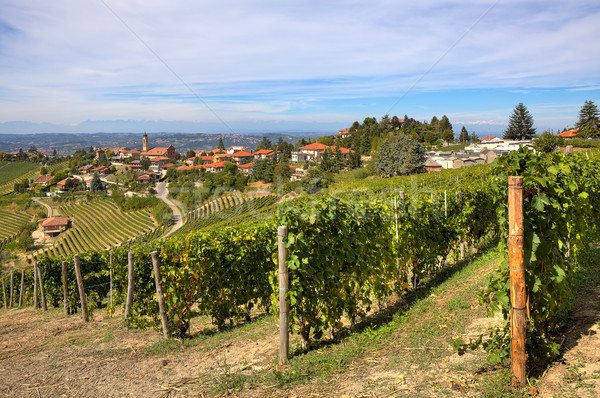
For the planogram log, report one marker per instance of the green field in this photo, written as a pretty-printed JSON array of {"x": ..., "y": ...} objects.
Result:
[{"x": 98, "y": 224}]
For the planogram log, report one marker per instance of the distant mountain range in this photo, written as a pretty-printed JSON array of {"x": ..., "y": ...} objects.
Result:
[{"x": 66, "y": 143}]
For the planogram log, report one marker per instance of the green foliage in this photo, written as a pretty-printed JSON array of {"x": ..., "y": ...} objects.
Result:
[
  {"x": 400, "y": 156},
  {"x": 547, "y": 142},
  {"x": 339, "y": 255},
  {"x": 588, "y": 122},
  {"x": 560, "y": 209},
  {"x": 315, "y": 180},
  {"x": 222, "y": 272},
  {"x": 520, "y": 124}
]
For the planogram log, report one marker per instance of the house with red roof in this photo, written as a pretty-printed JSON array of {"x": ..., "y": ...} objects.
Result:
[
  {"x": 343, "y": 133},
  {"x": 247, "y": 168},
  {"x": 569, "y": 133},
  {"x": 53, "y": 226},
  {"x": 314, "y": 151},
  {"x": 264, "y": 154},
  {"x": 103, "y": 170},
  {"x": 242, "y": 157},
  {"x": 44, "y": 181},
  {"x": 238, "y": 148},
  {"x": 215, "y": 167},
  {"x": 489, "y": 137}
]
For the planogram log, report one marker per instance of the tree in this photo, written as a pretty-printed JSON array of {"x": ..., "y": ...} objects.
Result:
[
  {"x": 354, "y": 160},
  {"x": 145, "y": 163},
  {"x": 220, "y": 145},
  {"x": 547, "y": 142},
  {"x": 401, "y": 156},
  {"x": 589, "y": 120},
  {"x": 464, "y": 135},
  {"x": 265, "y": 143},
  {"x": 96, "y": 184},
  {"x": 282, "y": 172},
  {"x": 43, "y": 171},
  {"x": 316, "y": 180},
  {"x": 190, "y": 154},
  {"x": 520, "y": 124},
  {"x": 326, "y": 140}
]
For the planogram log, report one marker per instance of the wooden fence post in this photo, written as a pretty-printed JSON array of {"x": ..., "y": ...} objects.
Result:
[
  {"x": 111, "y": 281},
  {"x": 82, "y": 297},
  {"x": 35, "y": 286},
  {"x": 12, "y": 288},
  {"x": 159, "y": 294},
  {"x": 22, "y": 289},
  {"x": 3, "y": 292},
  {"x": 518, "y": 290},
  {"x": 65, "y": 288},
  {"x": 130, "y": 281},
  {"x": 284, "y": 338},
  {"x": 42, "y": 290}
]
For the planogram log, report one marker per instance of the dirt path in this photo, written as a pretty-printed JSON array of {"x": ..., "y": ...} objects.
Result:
[
  {"x": 162, "y": 193},
  {"x": 577, "y": 374},
  {"x": 46, "y": 205},
  {"x": 48, "y": 354}
]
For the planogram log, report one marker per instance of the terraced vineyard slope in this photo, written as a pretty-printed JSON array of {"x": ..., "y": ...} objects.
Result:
[
  {"x": 99, "y": 224},
  {"x": 11, "y": 172},
  {"x": 226, "y": 210}
]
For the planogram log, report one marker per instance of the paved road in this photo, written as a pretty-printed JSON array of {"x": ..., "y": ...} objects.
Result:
[
  {"x": 45, "y": 205},
  {"x": 162, "y": 193}
]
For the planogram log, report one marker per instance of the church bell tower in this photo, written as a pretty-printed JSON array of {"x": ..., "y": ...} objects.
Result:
[{"x": 145, "y": 145}]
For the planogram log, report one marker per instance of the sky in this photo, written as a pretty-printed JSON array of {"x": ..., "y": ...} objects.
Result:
[{"x": 272, "y": 65}]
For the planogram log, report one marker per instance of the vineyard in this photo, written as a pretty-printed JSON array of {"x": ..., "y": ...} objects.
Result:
[
  {"x": 226, "y": 209},
  {"x": 12, "y": 172},
  {"x": 97, "y": 225},
  {"x": 351, "y": 251},
  {"x": 11, "y": 222}
]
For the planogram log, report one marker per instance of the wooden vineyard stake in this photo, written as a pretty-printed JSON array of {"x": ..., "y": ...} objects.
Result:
[
  {"x": 35, "y": 286},
  {"x": 12, "y": 289},
  {"x": 3, "y": 292},
  {"x": 42, "y": 290},
  {"x": 159, "y": 294},
  {"x": 82, "y": 297},
  {"x": 130, "y": 281},
  {"x": 65, "y": 291},
  {"x": 22, "y": 289},
  {"x": 111, "y": 282},
  {"x": 284, "y": 337},
  {"x": 518, "y": 292}
]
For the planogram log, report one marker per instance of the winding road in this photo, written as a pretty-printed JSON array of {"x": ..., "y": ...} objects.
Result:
[
  {"x": 162, "y": 193},
  {"x": 46, "y": 205}
]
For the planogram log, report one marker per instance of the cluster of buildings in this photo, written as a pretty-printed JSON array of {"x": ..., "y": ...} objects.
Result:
[{"x": 482, "y": 152}]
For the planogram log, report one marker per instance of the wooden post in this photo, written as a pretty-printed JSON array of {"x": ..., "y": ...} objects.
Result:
[
  {"x": 111, "y": 281},
  {"x": 159, "y": 294},
  {"x": 22, "y": 289},
  {"x": 12, "y": 289},
  {"x": 130, "y": 280},
  {"x": 518, "y": 291},
  {"x": 65, "y": 289},
  {"x": 42, "y": 290},
  {"x": 284, "y": 338},
  {"x": 82, "y": 297},
  {"x": 35, "y": 286},
  {"x": 3, "y": 291}
]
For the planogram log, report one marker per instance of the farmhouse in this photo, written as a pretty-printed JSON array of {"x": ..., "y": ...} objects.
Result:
[
  {"x": 53, "y": 226},
  {"x": 313, "y": 152},
  {"x": 44, "y": 181}
]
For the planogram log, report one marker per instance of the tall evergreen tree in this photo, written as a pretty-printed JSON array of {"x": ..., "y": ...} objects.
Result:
[
  {"x": 520, "y": 124},
  {"x": 589, "y": 120},
  {"x": 464, "y": 135},
  {"x": 220, "y": 145}
]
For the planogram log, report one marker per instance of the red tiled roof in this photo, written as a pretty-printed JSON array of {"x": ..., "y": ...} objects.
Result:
[
  {"x": 242, "y": 154},
  {"x": 489, "y": 137},
  {"x": 54, "y": 221},
  {"x": 246, "y": 166},
  {"x": 264, "y": 152},
  {"x": 569, "y": 133},
  {"x": 44, "y": 180},
  {"x": 158, "y": 158},
  {"x": 166, "y": 166},
  {"x": 315, "y": 147}
]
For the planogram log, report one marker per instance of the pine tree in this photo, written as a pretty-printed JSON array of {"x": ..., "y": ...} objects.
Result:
[
  {"x": 520, "y": 124},
  {"x": 221, "y": 145},
  {"x": 464, "y": 135},
  {"x": 589, "y": 120}
]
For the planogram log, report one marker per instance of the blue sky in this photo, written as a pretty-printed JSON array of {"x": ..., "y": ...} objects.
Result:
[{"x": 304, "y": 65}]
